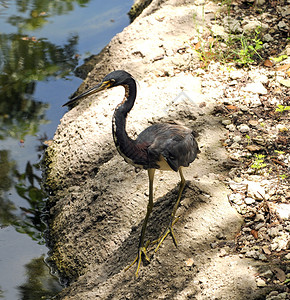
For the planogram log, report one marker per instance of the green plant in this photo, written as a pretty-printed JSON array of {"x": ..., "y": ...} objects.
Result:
[
  {"x": 248, "y": 138},
  {"x": 259, "y": 162},
  {"x": 249, "y": 48},
  {"x": 279, "y": 58},
  {"x": 279, "y": 152},
  {"x": 282, "y": 108}
]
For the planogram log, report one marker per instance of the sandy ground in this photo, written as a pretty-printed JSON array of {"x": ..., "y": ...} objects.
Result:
[{"x": 98, "y": 202}]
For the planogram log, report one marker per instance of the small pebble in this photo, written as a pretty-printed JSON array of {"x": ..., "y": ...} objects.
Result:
[
  {"x": 255, "y": 190},
  {"x": 259, "y": 226},
  {"x": 252, "y": 254},
  {"x": 273, "y": 231},
  {"x": 226, "y": 122},
  {"x": 244, "y": 108},
  {"x": 249, "y": 200},
  {"x": 262, "y": 257},
  {"x": 237, "y": 138},
  {"x": 260, "y": 282},
  {"x": 244, "y": 128},
  {"x": 236, "y": 198},
  {"x": 274, "y": 293},
  {"x": 231, "y": 127},
  {"x": 267, "y": 274},
  {"x": 259, "y": 217}
]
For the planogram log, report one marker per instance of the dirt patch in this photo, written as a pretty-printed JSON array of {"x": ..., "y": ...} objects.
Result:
[{"x": 98, "y": 202}]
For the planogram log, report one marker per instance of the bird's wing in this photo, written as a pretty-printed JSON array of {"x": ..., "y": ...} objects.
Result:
[{"x": 175, "y": 143}]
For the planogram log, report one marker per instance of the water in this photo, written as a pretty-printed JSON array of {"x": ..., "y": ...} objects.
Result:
[{"x": 41, "y": 43}]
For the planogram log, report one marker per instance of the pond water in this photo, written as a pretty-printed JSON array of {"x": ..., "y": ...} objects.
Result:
[{"x": 41, "y": 44}]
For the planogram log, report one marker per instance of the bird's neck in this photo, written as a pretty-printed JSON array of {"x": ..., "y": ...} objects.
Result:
[{"x": 124, "y": 144}]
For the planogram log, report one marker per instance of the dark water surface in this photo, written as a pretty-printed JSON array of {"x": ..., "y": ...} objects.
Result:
[{"x": 41, "y": 43}]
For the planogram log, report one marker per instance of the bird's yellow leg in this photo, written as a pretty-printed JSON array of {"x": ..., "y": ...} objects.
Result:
[
  {"x": 173, "y": 220},
  {"x": 142, "y": 248}
]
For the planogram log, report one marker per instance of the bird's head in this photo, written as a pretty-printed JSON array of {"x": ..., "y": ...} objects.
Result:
[{"x": 115, "y": 78}]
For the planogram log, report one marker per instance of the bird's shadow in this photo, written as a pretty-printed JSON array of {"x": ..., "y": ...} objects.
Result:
[{"x": 157, "y": 223}]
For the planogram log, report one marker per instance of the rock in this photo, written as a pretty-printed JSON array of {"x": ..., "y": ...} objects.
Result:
[
  {"x": 287, "y": 256},
  {"x": 282, "y": 25},
  {"x": 233, "y": 25},
  {"x": 236, "y": 198},
  {"x": 231, "y": 127},
  {"x": 285, "y": 82},
  {"x": 258, "y": 77},
  {"x": 253, "y": 148},
  {"x": 267, "y": 274},
  {"x": 281, "y": 241},
  {"x": 228, "y": 141},
  {"x": 259, "y": 226},
  {"x": 233, "y": 82},
  {"x": 237, "y": 138},
  {"x": 252, "y": 254},
  {"x": 256, "y": 88},
  {"x": 189, "y": 262},
  {"x": 272, "y": 295},
  {"x": 235, "y": 145},
  {"x": 262, "y": 257},
  {"x": 249, "y": 200},
  {"x": 252, "y": 25},
  {"x": 260, "y": 282},
  {"x": 259, "y": 218},
  {"x": 253, "y": 122},
  {"x": 226, "y": 122},
  {"x": 260, "y": 2},
  {"x": 218, "y": 30},
  {"x": 244, "y": 108},
  {"x": 236, "y": 74},
  {"x": 244, "y": 128},
  {"x": 273, "y": 231},
  {"x": 283, "y": 210},
  {"x": 268, "y": 38},
  {"x": 255, "y": 100},
  {"x": 255, "y": 190},
  {"x": 259, "y": 140},
  {"x": 281, "y": 128}
]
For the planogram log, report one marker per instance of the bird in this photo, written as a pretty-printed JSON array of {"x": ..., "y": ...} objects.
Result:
[{"x": 161, "y": 146}]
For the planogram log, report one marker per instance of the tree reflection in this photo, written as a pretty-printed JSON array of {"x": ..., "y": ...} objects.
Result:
[
  {"x": 27, "y": 185},
  {"x": 37, "y": 12},
  {"x": 39, "y": 283},
  {"x": 7, "y": 207},
  {"x": 27, "y": 61}
]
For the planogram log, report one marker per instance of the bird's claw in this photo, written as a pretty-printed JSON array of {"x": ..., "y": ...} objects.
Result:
[
  {"x": 138, "y": 259},
  {"x": 168, "y": 230}
]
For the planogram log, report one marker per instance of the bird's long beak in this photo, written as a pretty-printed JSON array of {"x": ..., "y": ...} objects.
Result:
[{"x": 102, "y": 86}]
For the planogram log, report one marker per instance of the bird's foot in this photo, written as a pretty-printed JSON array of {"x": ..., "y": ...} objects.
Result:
[
  {"x": 138, "y": 259},
  {"x": 168, "y": 230}
]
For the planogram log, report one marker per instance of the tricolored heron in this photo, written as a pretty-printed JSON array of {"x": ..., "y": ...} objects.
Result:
[{"x": 160, "y": 146}]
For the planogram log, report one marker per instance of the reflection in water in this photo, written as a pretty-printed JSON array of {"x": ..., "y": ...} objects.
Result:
[
  {"x": 39, "y": 283},
  {"x": 27, "y": 186},
  {"x": 27, "y": 61},
  {"x": 6, "y": 181},
  {"x": 39, "y": 11}
]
